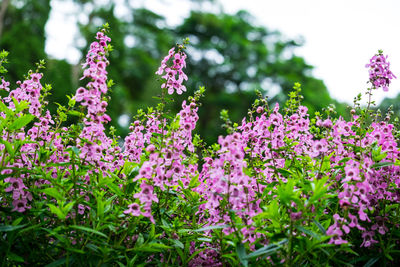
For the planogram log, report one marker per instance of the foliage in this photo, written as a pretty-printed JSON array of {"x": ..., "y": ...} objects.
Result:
[
  {"x": 234, "y": 56},
  {"x": 229, "y": 54},
  {"x": 281, "y": 188},
  {"x": 24, "y": 34},
  {"x": 29, "y": 17}
]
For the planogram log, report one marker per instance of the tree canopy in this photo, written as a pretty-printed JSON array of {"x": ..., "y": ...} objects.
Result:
[{"x": 233, "y": 56}]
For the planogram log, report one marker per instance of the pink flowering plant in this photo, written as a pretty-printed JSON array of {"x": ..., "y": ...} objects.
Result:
[{"x": 281, "y": 188}]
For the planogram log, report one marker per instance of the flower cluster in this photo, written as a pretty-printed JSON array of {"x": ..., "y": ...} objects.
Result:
[
  {"x": 379, "y": 72},
  {"x": 165, "y": 167},
  {"x": 5, "y": 85},
  {"x": 98, "y": 150},
  {"x": 174, "y": 75},
  {"x": 29, "y": 91}
]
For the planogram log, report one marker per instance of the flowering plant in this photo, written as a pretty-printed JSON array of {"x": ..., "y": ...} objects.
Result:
[
  {"x": 281, "y": 188},
  {"x": 379, "y": 72}
]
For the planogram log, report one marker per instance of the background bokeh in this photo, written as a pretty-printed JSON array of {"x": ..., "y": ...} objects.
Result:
[{"x": 231, "y": 53}]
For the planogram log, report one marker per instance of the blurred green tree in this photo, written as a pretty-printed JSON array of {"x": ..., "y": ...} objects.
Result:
[
  {"x": 394, "y": 103},
  {"x": 22, "y": 33},
  {"x": 229, "y": 54}
]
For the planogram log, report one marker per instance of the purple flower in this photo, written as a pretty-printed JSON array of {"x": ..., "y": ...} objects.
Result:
[
  {"x": 379, "y": 72},
  {"x": 133, "y": 209},
  {"x": 20, "y": 205},
  {"x": 5, "y": 85},
  {"x": 172, "y": 83},
  {"x": 368, "y": 239}
]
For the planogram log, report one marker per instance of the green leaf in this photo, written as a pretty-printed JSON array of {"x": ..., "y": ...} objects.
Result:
[
  {"x": 92, "y": 247},
  {"x": 319, "y": 189},
  {"x": 21, "y": 121},
  {"x": 165, "y": 224},
  {"x": 326, "y": 164},
  {"x": 100, "y": 206},
  {"x": 194, "y": 182},
  {"x": 181, "y": 255},
  {"x": 286, "y": 192},
  {"x": 371, "y": 262},
  {"x": 320, "y": 227},
  {"x": 113, "y": 187},
  {"x": 181, "y": 184},
  {"x": 307, "y": 232},
  {"x": 177, "y": 243},
  {"x": 55, "y": 233},
  {"x": 387, "y": 255},
  {"x": 75, "y": 113},
  {"x": 71, "y": 102},
  {"x": 21, "y": 106},
  {"x": 175, "y": 123},
  {"x": 57, "y": 211},
  {"x": 377, "y": 154},
  {"x": 212, "y": 227},
  {"x": 53, "y": 192},
  {"x": 8, "y": 146},
  {"x": 75, "y": 150},
  {"x": 15, "y": 257},
  {"x": 232, "y": 258},
  {"x": 80, "y": 251},
  {"x": 241, "y": 252},
  {"x": 152, "y": 247},
  {"x": 131, "y": 262},
  {"x": 382, "y": 164},
  {"x": 57, "y": 262},
  {"x": 140, "y": 240},
  {"x": 68, "y": 207},
  {"x": 5, "y": 109},
  {"x": 267, "y": 250},
  {"x": 30, "y": 228},
  {"x": 152, "y": 231},
  {"x": 10, "y": 228},
  {"x": 86, "y": 229},
  {"x": 204, "y": 239},
  {"x": 17, "y": 221}
]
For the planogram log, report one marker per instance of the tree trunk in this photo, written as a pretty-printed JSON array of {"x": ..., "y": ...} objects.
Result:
[{"x": 3, "y": 8}]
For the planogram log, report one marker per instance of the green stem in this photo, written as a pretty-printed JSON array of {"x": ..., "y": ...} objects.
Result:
[
  {"x": 290, "y": 248},
  {"x": 4, "y": 151}
]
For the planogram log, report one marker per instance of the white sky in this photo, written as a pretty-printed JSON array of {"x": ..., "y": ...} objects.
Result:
[{"x": 340, "y": 36}]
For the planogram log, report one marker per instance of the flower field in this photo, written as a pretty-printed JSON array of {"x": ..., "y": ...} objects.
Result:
[{"x": 281, "y": 188}]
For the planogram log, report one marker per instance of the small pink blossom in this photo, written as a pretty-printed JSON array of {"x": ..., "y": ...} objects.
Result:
[
  {"x": 133, "y": 209},
  {"x": 172, "y": 82},
  {"x": 379, "y": 72}
]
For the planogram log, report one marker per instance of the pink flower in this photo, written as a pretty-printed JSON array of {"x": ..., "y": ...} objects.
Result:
[
  {"x": 294, "y": 216},
  {"x": 81, "y": 209},
  {"x": 20, "y": 205},
  {"x": 133, "y": 209},
  {"x": 379, "y": 72},
  {"x": 171, "y": 82},
  {"x": 368, "y": 240},
  {"x": 5, "y": 85},
  {"x": 146, "y": 194},
  {"x": 16, "y": 184}
]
